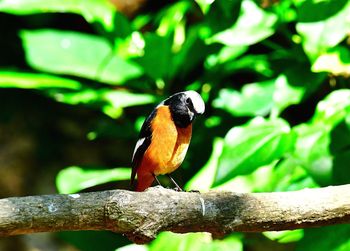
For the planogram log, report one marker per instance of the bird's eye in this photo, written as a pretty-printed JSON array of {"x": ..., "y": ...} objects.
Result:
[{"x": 188, "y": 100}]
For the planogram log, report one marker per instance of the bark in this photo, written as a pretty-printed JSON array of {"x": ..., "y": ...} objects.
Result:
[{"x": 141, "y": 215}]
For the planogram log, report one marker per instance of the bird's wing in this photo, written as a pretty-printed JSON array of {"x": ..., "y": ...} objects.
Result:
[{"x": 142, "y": 144}]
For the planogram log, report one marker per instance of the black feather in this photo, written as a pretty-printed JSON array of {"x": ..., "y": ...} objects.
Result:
[{"x": 146, "y": 133}]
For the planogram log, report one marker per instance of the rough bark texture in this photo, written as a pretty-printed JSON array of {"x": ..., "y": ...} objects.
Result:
[{"x": 142, "y": 215}]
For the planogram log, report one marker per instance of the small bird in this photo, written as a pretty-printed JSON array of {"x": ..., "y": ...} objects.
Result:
[{"x": 164, "y": 138}]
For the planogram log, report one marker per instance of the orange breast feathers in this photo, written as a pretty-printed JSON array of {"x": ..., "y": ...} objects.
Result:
[{"x": 167, "y": 149}]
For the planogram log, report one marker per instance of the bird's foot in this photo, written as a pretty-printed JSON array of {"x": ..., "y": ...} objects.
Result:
[{"x": 194, "y": 191}]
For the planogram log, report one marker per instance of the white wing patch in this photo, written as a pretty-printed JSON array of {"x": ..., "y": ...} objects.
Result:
[{"x": 138, "y": 144}]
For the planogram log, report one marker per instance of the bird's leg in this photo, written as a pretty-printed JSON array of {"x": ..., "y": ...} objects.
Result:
[
  {"x": 177, "y": 187},
  {"x": 155, "y": 177}
]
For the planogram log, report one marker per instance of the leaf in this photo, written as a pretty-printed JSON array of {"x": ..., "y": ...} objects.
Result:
[
  {"x": 314, "y": 11},
  {"x": 335, "y": 238},
  {"x": 253, "y": 145},
  {"x": 312, "y": 148},
  {"x": 23, "y": 80},
  {"x": 111, "y": 102},
  {"x": 253, "y": 25},
  {"x": 333, "y": 109},
  {"x": 203, "y": 179},
  {"x": 335, "y": 61},
  {"x": 195, "y": 242},
  {"x": 289, "y": 175},
  {"x": 92, "y": 10},
  {"x": 133, "y": 247},
  {"x": 74, "y": 179},
  {"x": 285, "y": 236},
  {"x": 204, "y": 5},
  {"x": 286, "y": 94},
  {"x": 191, "y": 54},
  {"x": 255, "y": 99},
  {"x": 319, "y": 36},
  {"x": 156, "y": 61},
  {"x": 312, "y": 151},
  {"x": 227, "y": 53},
  {"x": 77, "y": 54}
]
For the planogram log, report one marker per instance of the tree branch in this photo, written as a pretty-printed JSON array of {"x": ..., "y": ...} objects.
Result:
[{"x": 142, "y": 215}]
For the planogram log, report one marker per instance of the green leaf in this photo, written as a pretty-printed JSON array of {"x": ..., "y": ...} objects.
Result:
[
  {"x": 204, "y": 5},
  {"x": 285, "y": 236},
  {"x": 253, "y": 145},
  {"x": 257, "y": 63},
  {"x": 335, "y": 61},
  {"x": 195, "y": 242},
  {"x": 133, "y": 247},
  {"x": 111, "y": 102},
  {"x": 333, "y": 109},
  {"x": 227, "y": 53},
  {"x": 312, "y": 151},
  {"x": 289, "y": 175},
  {"x": 335, "y": 238},
  {"x": 92, "y": 10},
  {"x": 253, "y": 25},
  {"x": 286, "y": 94},
  {"x": 203, "y": 180},
  {"x": 23, "y": 80},
  {"x": 314, "y": 10},
  {"x": 312, "y": 148},
  {"x": 255, "y": 99},
  {"x": 319, "y": 36},
  {"x": 74, "y": 179},
  {"x": 117, "y": 100},
  {"x": 77, "y": 54},
  {"x": 156, "y": 61},
  {"x": 192, "y": 52}
]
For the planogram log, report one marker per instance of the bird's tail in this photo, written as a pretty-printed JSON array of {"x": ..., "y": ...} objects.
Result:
[{"x": 144, "y": 181}]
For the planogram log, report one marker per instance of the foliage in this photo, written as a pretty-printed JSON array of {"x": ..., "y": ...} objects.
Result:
[{"x": 274, "y": 75}]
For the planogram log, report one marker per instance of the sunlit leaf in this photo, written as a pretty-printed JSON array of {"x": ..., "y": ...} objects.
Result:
[
  {"x": 173, "y": 21},
  {"x": 204, "y": 179},
  {"x": 227, "y": 53},
  {"x": 253, "y": 25},
  {"x": 77, "y": 54},
  {"x": 256, "y": 63},
  {"x": 23, "y": 80},
  {"x": 255, "y": 99},
  {"x": 289, "y": 175},
  {"x": 286, "y": 94},
  {"x": 92, "y": 10},
  {"x": 285, "y": 236},
  {"x": 255, "y": 144},
  {"x": 195, "y": 242},
  {"x": 333, "y": 109},
  {"x": 112, "y": 102},
  {"x": 312, "y": 151},
  {"x": 335, "y": 61},
  {"x": 121, "y": 99},
  {"x": 133, "y": 247},
  {"x": 204, "y": 5},
  {"x": 318, "y": 36},
  {"x": 74, "y": 179}
]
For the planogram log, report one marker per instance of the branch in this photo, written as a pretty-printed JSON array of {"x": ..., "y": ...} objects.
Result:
[{"x": 142, "y": 215}]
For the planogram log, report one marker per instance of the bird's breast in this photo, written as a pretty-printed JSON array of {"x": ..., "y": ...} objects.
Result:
[{"x": 169, "y": 144}]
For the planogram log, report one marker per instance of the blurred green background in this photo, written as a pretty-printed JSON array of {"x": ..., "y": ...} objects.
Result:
[{"x": 79, "y": 77}]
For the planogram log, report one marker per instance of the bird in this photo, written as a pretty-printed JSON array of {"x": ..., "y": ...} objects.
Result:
[{"x": 164, "y": 139}]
